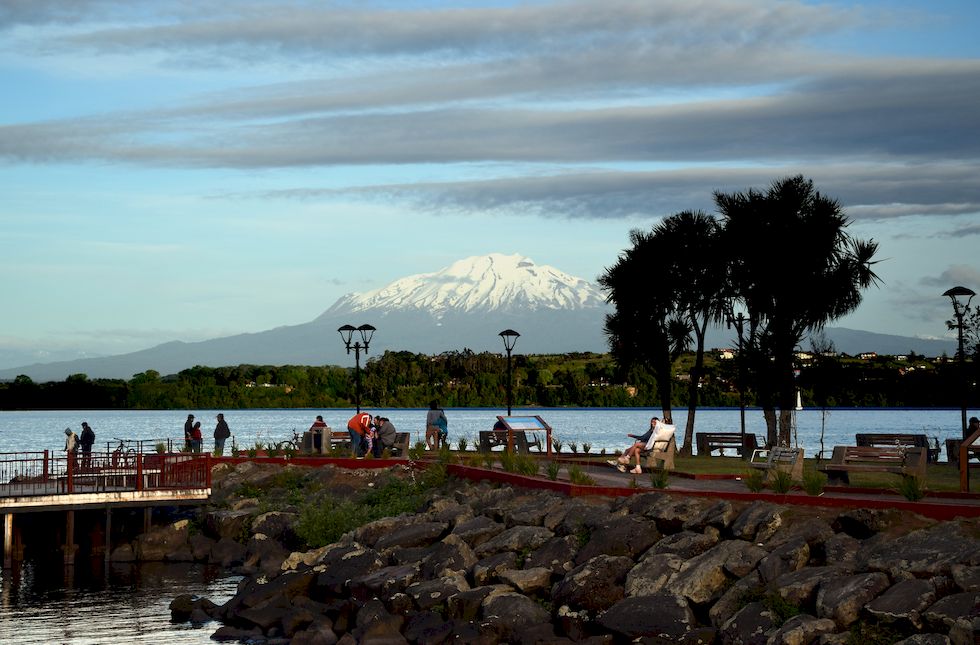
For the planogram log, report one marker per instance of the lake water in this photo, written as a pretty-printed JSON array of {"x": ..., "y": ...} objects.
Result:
[
  {"x": 601, "y": 428},
  {"x": 131, "y": 604},
  {"x": 98, "y": 605}
]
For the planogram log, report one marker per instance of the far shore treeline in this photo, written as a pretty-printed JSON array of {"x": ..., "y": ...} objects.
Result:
[{"x": 469, "y": 379}]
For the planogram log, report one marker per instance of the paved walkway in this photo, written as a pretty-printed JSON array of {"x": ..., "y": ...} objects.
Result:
[{"x": 938, "y": 505}]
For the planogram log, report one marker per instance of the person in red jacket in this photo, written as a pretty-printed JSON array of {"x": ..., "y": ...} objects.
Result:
[{"x": 359, "y": 428}]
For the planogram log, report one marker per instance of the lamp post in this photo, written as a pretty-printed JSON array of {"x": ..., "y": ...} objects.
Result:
[
  {"x": 510, "y": 339},
  {"x": 346, "y": 333},
  {"x": 959, "y": 310}
]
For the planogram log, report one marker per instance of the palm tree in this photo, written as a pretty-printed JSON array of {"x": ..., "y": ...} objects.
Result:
[
  {"x": 812, "y": 272},
  {"x": 695, "y": 262},
  {"x": 646, "y": 327}
]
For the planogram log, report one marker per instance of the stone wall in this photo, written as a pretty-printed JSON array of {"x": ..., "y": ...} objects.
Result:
[{"x": 488, "y": 564}]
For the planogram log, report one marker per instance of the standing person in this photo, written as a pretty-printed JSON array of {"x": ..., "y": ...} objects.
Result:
[
  {"x": 86, "y": 441},
  {"x": 436, "y": 426},
  {"x": 221, "y": 432},
  {"x": 71, "y": 445},
  {"x": 188, "y": 431},
  {"x": 359, "y": 426},
  {"x": 196, "y": 437}
]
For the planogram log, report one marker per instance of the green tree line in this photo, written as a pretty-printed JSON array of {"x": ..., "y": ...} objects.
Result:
[{"x": 468, "y": 379}]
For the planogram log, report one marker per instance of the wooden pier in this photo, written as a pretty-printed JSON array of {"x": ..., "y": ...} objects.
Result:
[{"x": 91, "y": 486}]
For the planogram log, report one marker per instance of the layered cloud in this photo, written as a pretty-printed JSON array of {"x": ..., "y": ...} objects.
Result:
[{"x": 581, "y": 108}]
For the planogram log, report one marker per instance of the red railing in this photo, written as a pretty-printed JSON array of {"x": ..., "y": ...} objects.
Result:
[{"x": 41, "y": 473}]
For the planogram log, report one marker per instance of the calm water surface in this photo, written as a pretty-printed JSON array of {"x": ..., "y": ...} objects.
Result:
[
  {"x": 601, "y": 428},
  {"x": 95, "y": 605}
]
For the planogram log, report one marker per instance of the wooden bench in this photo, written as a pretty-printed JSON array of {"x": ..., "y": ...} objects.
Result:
[
  {"x": 662, "y": 451},
  {"x": 908, "y": 462},
  {"x": 341, "y": 441},
  {"x": 899, "y": 439},
  {"x": 708, "y": 442},
  {"x": 490, "y": 439},
  {"x": 771, "y": 460}
]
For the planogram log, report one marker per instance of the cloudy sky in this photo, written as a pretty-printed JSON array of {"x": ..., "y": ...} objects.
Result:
[{"x": 186, "y": 170}]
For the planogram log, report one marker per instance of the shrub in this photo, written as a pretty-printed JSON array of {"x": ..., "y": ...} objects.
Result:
[
  {"x": 912, "y": 488},
  {"x": 461, "y": 444},
  {"x": 507, "y": 462},
  {"x": 586, "y": 447},
  {"x": 573, "y": 447},
  {"x": 577, "y": 476},
  {"x": 781, "y": 481},
  {"x": 813, "y": 482},
  {"x": 755, "y": 480},
  {"x": 659, "y": 478},
  {"x": 474, "y": 460},
  {"x": 553, "y": 469},
  {"x": 416, "y": 451},
  {"x": 160, "y": 447},
  {"x": 488, "y": 459},
  {"x": 556, "y": 444},
  {"x": 526, "y": 465}
]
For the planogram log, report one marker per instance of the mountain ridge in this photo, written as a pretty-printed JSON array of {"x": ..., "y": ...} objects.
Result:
[{"x": 462, "y": 306}]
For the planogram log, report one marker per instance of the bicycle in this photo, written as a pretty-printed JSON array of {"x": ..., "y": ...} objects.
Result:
[
  {"x": 295, "y": 444},
  {"x": 123, "y": 457}
]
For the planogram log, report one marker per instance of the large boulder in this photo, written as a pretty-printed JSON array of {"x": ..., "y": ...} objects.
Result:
[
  {"x": 661, "y": 615},
  {"x": 595, "y": 585}
]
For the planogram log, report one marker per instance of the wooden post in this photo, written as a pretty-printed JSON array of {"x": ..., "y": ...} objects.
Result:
[
  {"x": 108, "y": 532},
  {"x": 147, "y": 518},
  {"x": 8, "y": 540},
  {"x": 70, "y": 546},
  {"x": 139, "y": 471},
  {"x": 965, "y": 461}
]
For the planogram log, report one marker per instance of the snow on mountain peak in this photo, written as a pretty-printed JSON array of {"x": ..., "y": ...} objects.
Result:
[{"x": 494, "y": 282}]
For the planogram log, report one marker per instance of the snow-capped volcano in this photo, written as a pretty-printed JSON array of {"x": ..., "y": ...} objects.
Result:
[{"x": 487, "y": 283}]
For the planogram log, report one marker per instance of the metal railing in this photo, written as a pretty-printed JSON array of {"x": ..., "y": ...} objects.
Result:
[{"x": 42, "y": 473}]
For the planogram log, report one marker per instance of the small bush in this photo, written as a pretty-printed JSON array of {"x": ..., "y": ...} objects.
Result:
[
  {"x": 813, "y": 482},
  {"x": 556, "y": 444},
  {"x": 553, "y": 469},
  {"x": 416, "y": 451},
  {"x": 526, "y": 465},
  {"x": 507, "y": 462},
  {"x": 659, "y": 478},
  {"x": 488, "y": 459},
  {"x": 755, "y": 480},
  {"x": 912, "y": 488},
  {"x": 474, "y": 460},
  {"x": 573, "y": 446},
  {"x": 586, "y": 447},
  {"x": 461, "y": 444},
  {"x": 577, "y": 476},
  {"x": 781, "y": 481}
]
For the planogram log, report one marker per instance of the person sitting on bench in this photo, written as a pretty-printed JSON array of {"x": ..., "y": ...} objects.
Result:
[
  {"x": 384, "y": 432},
  {"x": 639, "y": 445}
]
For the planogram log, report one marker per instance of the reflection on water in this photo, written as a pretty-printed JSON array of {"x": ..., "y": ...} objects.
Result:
[{"x": 95, "y": 604}]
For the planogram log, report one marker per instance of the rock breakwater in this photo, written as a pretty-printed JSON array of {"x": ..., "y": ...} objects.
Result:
[{"x": 481, "y": 563}]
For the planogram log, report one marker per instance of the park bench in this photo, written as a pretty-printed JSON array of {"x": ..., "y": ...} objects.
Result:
[
  {"x": 904, "y": 440},
  {"x": 908, "y": 462},
  {"x": 662, "y": 448},
  {"x": 341, "y": 441},
  {"x": 708, "y": 442},
  {"x": 490, "y": 439},
  {"x": 779, "y": 458}
]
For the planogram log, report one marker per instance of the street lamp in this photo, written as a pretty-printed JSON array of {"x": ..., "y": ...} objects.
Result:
[
  {"x": 346, "y": 333},
  {"x": 959, "y": 310},
  {"x": 510, "y": 339}
]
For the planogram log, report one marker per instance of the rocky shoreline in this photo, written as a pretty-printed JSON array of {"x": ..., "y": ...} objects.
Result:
[{"x": 483, "y": 563}]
